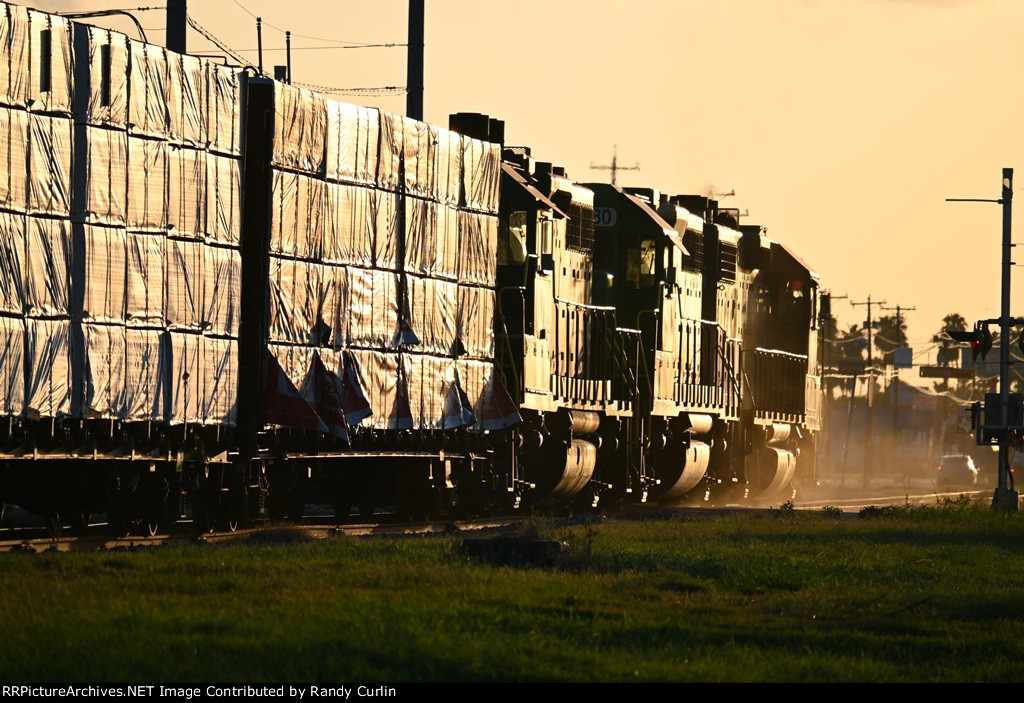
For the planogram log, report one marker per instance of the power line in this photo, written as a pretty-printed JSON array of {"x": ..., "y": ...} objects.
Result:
[{"x": 305, "y": 36}]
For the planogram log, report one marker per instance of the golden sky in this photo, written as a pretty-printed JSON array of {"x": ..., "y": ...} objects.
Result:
[{"x": 841, "y": 125}]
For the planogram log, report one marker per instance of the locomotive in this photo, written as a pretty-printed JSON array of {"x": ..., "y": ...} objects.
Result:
[{"x": 225, "y": 298}]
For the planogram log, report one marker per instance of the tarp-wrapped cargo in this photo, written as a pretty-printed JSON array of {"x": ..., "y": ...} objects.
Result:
[
  {"x": 14, "y": 55},
  {"x": 222, "y": 276},
  {"x": 334, "y": 302},
  {"x": 224, "y": 109},
  {"x": 147, "y": 185},
  {"x": 104, "y": 76},
  {"x": 352, "y": 135},
  {"x": 223, "y": 207},
  {"x": 48, "y": 364},
  {"x": 48, "y": 266},
  {"x": 419, "y": 147},
  {"x": 145, "y": 372},
  {"x": 297, "y": 225},
  {"x": 105, "y": 273},
  {"x": 49, "y": 182},
  {"x": 106, "y": 174},
  {"x": 12, "y": 263},
  {"x": 427, "y": 379},
  {"x": 379, "y": 371},
  {"x": 186, "y": 274},
  {"x": 185, "y": 398},
  {"x": 481, "y": 172},
  {"x": 474, "y": 378},
  {"x": 103, "y": 372},
  {"x": 14, "y": 141},
  {"x": 146, "y": 278},
  {"x": 147, "y": 90},
  {"x": 349, "y": 225},
  {"x": 449, "y": 166},
  {"x": 220, "y": 381},
  {"x": 433, "y": 308},
  {"x": 186, "y": 190},
  {"x": 478, "y": 243},
  {"x": 386, "y": 229},
  {"x": 294, "y": 361},
  {"x": 294, "y": 298},
  {"x": 12, "y": 366},
  {"x": 431, "y": 239},
  {"x": 392, "y": 134},
  {"x": 300, "y": 129},
  {"x": 186, "y": 106},
  {"x": 476, "y": 321},
  {"x": 51, "y": 64},
  {"x": 373, "y": 308}
]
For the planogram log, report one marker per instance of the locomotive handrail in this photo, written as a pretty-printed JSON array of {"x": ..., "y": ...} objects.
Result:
[
  {"x": 585, "y": 306},
  {"x": 653, "y": 312},
  {"x": 508, "y": 345}
]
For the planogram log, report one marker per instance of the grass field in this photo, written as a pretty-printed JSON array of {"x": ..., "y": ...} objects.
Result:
[{"x": 905, "y": 594}]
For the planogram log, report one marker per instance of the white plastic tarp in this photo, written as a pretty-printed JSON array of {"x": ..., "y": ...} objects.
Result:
[
  {"x": 12, "y": 366},
  {"x": 185, "y": 279},
  {"x": 49, "y": 182},
  {"x": 146, "y": 262},
  {"x": 334, "y": 302},
  {"x": 14, "y": 143},
  {"x": 310, "y": 225},
  {"x": 449, "y": 166},
  {"x": 49, "y": 368},
  {"x": 106, "y": 270},
  {"x": 478, "y": 242},
  {"x": 433, "y": 310},
  {"x": 372, "y": 307},
  {"x": 379, "y": 371},
  {"x": 220, "y": 381},
  {"x": 419, "y": 148},
  {"x": 14, "y": 55},
  {"x": 147, "y": 90},
  {"x": 107, "y": 76},
  {"x": 349, "y": 225},
  {"x": 392, "y": 133},
  {"x": 352, "y": 135},
  {"x": 293, "y": 300},
  {"x": 476, "y": 321},
  {"x": 48, "y": 266},
  {"x": 481, "y": 173},
  {"x": 187, "y": 192},
  {"x": 103, "y": 372},
  {"x": 187, "y": 99},
  {"x": 427, "y": 380},
  {"x": 297, "y": 217},
  {"x": 51, "y": 65},
  {"x": 223, "y": 285},
  {"x": 12, "y": 263},
  {"x": 185, "y": 382},
  {"x": 294, "y": 361},
  {"x": 431, "y": 239},
  {"x": 145, "y": 370},
  {"x": 147, "y": 185},
  {"x": 474, "y": 377},
  {"x": 106, "y": 171},
  {"x": 386, "y": 229},
  {"x": 223, "y": 208},
  {"x": 224, "y": 109},
  {"x": 300, "y": 129}
]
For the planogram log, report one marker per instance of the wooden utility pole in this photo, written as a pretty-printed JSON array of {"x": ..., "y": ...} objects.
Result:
[
  {"x": 870, "y": 373},
  {"x": 896, "y": 380},
  {"x": 414, "y": 72},
  {"x": 615, "y": 168}
]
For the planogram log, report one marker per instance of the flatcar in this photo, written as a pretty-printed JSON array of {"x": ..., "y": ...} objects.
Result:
[{"x": 225, "y": 298}]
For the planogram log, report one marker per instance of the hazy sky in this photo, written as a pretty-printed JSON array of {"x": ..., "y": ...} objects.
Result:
[{"x": 841, "y": 125}]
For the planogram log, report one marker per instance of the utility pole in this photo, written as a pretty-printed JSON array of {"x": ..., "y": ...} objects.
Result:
[
  {"x": 615, "y": 168},
  {"x": 896, "y": 381},
  {"x": 414, "y": 69},
  {"x": 826, "y": 321},
  {"x": 870, "y": 392},
  {"x": 1004, "y": 497},
  {"x": 177, "y": 19}
]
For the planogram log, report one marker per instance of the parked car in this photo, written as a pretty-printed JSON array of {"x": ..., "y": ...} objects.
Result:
[{"x": 958, "y": 468}]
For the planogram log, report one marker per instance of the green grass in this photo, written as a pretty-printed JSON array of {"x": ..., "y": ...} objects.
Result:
[{"x": 894, "y": 595}]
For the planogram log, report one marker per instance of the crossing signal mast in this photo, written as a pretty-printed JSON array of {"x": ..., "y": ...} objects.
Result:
[{"x": 1003, "y": 413}]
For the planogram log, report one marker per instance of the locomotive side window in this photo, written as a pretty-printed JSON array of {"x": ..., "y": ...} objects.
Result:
[
  {"x": 546, "y": 239},
  {"x": 512, "y": 239},
  {"x": 640, "y": 263}
]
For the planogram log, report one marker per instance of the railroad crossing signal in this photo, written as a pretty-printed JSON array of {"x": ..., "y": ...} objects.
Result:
[{"x": 979, "y": 338}]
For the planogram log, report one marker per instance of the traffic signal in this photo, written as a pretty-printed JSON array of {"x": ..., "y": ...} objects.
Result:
[{"x": 979, "y": 338}]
